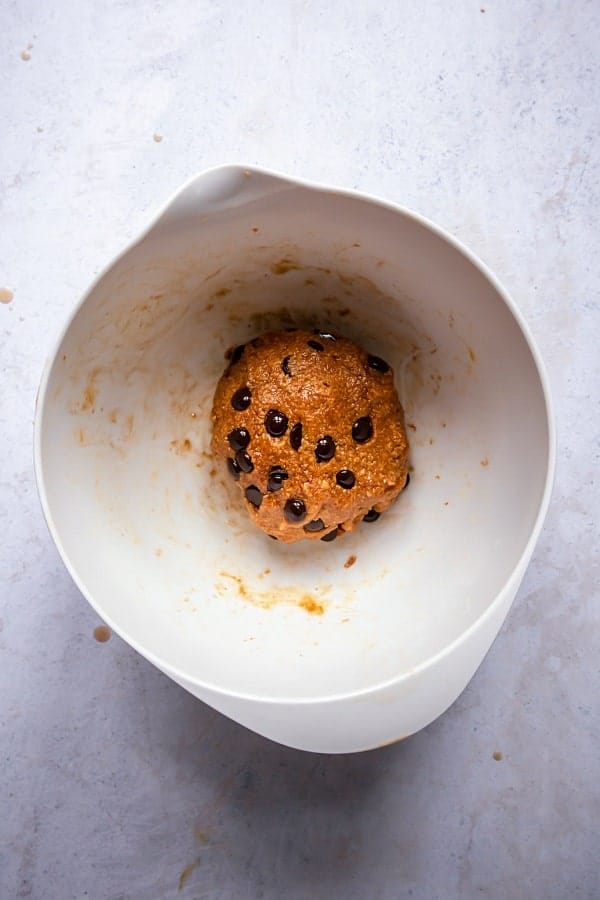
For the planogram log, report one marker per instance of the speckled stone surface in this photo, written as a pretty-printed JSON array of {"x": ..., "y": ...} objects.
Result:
[{"x": 117, "y": 784}]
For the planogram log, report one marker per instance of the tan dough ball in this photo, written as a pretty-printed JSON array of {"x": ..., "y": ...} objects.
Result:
[{"x": 311, "y": 427}]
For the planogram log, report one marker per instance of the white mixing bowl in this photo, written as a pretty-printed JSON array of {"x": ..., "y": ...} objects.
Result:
[{"x": 301, "y": 643}]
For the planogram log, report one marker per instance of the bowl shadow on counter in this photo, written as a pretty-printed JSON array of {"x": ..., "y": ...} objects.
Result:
[{"x": 272, "y": 816}]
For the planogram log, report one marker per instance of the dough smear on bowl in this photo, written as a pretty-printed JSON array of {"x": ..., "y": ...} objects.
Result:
[{"x": 310, "y": 426}]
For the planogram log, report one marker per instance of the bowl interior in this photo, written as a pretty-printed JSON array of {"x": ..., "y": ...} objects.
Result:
[{"x": 151, "y": 526}]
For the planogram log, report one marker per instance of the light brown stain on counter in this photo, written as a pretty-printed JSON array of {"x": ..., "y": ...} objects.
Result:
[{"x": 185, "y": 875}]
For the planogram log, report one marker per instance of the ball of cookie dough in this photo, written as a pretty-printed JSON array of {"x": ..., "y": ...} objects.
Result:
[{"x": 310, "y": 426}]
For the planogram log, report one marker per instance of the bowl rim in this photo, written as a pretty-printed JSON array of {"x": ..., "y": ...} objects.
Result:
[{"x": 520, "y": 564}]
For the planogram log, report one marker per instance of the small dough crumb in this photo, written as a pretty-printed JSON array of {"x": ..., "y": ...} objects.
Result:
[
  {"x": 102, "y": 633},
  {"x": 25, "y": 56},
  {"x": 157, "y": 138},
  {"x": 5, "y": 295}
]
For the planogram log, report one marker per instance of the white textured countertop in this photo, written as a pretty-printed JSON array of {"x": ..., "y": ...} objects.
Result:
[{"x": 115, "y": 783}]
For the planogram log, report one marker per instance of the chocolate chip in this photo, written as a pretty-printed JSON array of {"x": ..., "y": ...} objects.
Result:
[
  {"x": 326, "y": 335},
  {"x": 315, "y": 525},
  {"x": 291, "y": 329},
  {"x": 241, "y": 399},
  {"x": 276, "y": 423},
  {"x": 316, "y": 345},
  {"x": 377, "y": 363},
  {"x": 285, "y": 366},
  {"x": 237, "y": 354},
  {"x": 331, "y": 536},
  {"x": 371, "y": 516},
  {"x": 407, "y": 482},
  {"x": 253, "y": 495},
  {"x": 296, "y": 436},
  {"x": 294, "y": 510},
  {"x": 345, "y": 478},
  {"x": 239, "y": 438},
  {"x": 273, "y": 537},
  {"x": 325, "y": 449},
  {"x": 234, "y": 469},
  {"x": 277, "y": 475},
  {"x": 362, "y": 430},
  {"x": 244, "y": 461}
]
